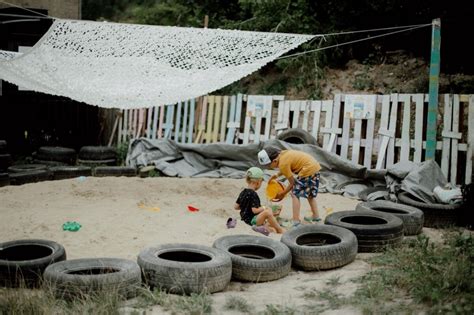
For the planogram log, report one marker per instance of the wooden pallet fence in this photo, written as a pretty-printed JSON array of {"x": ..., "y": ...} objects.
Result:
[{"x": 258, "y": 118}]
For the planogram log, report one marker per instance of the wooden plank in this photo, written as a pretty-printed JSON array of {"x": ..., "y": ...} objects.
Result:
[
  {"x": 148, "y": 114},
  {"x": 392, "y": 125},
  {"x": 316, "y": 109},
  {"x": 224, "y": 119},
  {"x": 447, "y": 123},
  {"x": 346, "y": 126},
  {"x": 121, "y": 126},
  {"x": 356, "y": 143},
  {"x": 154, "y": 122},
  {"x": 327, "y": 107},
  {"x": 210, "y": 118},
  {"x": 454, "y": 141},
  {"x": 383, "y": 140},
  {"x": 177, "y": 125},
  {"x": 162, "y": 118},
  {"x": 295, "y": 108},
  {"x": 217, "y": 118},
  {"x": 267, "y": 113},
  {"x": 231, "y": 129},
  {"x": 305, "y": 106},
  {"x": 280, "y": 123},
  {"x": 369, "y": 136},
  {"x": 141, "y": 120},
  {"x": 184, "y": 132},
  {"x": 169, "y": 121},
  {"x": 335, "y": 120},
  {"x": 286, "y": 113},
  {"x": 405, "y": 150},
  {"x": 418, "y": 153},
  {"x": 192, "y": 106},
  {"x": 470, "y": 140}
]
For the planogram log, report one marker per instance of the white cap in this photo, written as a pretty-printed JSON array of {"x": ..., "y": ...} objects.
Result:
[{"x": 263, "y": 158}]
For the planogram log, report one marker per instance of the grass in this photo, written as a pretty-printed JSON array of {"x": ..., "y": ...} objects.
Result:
[{"x": 238, "y": 304}]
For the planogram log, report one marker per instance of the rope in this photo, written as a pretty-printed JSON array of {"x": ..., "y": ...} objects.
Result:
[
  {"x": 20, "y": 7},
  {"x": 351, "y": 42}
]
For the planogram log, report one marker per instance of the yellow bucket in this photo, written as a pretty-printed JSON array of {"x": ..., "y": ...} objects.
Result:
[{"x": 273, "y": 188}]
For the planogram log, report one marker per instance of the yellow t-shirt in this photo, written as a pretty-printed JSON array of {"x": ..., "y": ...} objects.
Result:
[{"x": 297, "y": 162}]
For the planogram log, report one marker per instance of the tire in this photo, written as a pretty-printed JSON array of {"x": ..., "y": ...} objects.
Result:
[
  {"x": 412, "y": 217},
  {"x": 255, "y": 258},
  {"x": 29, "y": 177},
  {"x": 26, "y": 167},
  {"x": 49, "y": 163},
  {"x": 186, "y": 268},
  {"x": 97, "y": 153},
  {"x": 320, "y": 247},
  {"x": 101, "y": 171},
  {"x": 436, "y": 215},
  {"x": 57, "y": 154},
  {"x": 3, "y": 147},
  {"x": 5, "y": 161},
  {"x": 297, "y": 136},
  {"x": 364, "y": 194},
  {"x": 4, "y": 179},
  {"x": 64, "y": 172},
  {"x": 93, "y": 163},
  {"x": 93, "y": 275},
  {"x": 366, "y": 222},
  {"x": 22, "y": 262},
  {"x": 374, "y": 229}
]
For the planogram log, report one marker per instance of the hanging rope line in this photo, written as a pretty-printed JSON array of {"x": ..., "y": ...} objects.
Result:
[
  {"x": 351, "y": 42},
  {"x": 23, "y": 8}
]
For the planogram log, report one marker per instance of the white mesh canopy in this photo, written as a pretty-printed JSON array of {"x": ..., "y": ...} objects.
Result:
[{"x": 134, "y": 66}]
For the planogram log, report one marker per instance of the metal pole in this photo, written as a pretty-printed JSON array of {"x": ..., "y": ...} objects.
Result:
[{"x": 433, "y": 91}]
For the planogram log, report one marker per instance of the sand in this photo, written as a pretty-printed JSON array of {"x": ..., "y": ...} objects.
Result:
[{"x": 121, "y": 216}]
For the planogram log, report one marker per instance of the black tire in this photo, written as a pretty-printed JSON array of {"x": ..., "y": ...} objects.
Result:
[
  {"x": 320, "y": 247},
  {"x": 93, "y": 275},
  {"x": 101, "y": 171},
  {"x": 98, "y": 153},
  {"x": 29, "y": 177},
  {"x": 22, "y": 262},
  {"x": 64, "y": 172},
  {"x": 364, "y": 194},
  {"x": 57, "y": 154},
  {"x": 49, "y": 163},
  {"x": 297, "y": 136},
  {"x": 5, "y": 161},
  {"x": 186, "y": 268},
  {"x": 3, "y": 147},
  {"x": 255, "y": 258},
  {"x": 26, "y": 168},
  {"x": 412, "y": 217},
  {"x": 4, "y": 179},
  {"x": 366, "y": 222},
  {"x": 93, "y": 163},
  {"x": 372, "y": 228},
  {"x": 436, "y": 215}
]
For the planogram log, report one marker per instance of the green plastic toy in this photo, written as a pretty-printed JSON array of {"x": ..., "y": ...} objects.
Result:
[{"x": 71, "y": 226}]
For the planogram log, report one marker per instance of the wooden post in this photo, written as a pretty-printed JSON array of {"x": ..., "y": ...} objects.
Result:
[{"x": 433, "y": 91}]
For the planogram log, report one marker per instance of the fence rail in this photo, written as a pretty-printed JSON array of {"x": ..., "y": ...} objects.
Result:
[{"x": 376, "y": 131}]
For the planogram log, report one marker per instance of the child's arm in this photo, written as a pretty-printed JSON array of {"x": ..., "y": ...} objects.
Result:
[
  {"x": 237, "y": 206},
  {"x": 258, "y": 210}
]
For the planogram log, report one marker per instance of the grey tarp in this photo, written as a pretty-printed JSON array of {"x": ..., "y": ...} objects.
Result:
[{"x": 231, "y": 160}]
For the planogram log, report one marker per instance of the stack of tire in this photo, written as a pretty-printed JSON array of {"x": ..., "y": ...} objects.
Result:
[
  {"x": 5, "y": 162},
  {"x": 55, "y": 156},
  {"x": 103, "y": 159},
  {"x": 28, "y": 173},
  {"x": 436, "y": 215},
  {"x": 374, "y": 230}
]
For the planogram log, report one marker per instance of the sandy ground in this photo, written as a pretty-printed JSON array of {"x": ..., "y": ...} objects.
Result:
[{"x": 121, "y": 216}]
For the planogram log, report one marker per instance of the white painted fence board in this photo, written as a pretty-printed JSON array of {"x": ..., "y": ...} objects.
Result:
[
  {"x": 356, "y": 144},
  {"x": 470, "y": 140},
  {"x": 316, "y": 108},
  {"x": 454, "y": 143},
  {"x": 392, "y": 126},
  {"x": 328, "y": 108},
  {"x": 185, "y": 121},
  {"x": 192, "y": 109},
  {"x": 178, "y": 122},
  {"x": 225, "y": 114},
  {"x": 335, "y": 122},
  {"x": 447, "y": 126},
  {"x": 405, "y": 150},
  {"x": 383, "y": 139},
  {"x": 418, "y": 153},
  {"x": 305, "y": 106}
]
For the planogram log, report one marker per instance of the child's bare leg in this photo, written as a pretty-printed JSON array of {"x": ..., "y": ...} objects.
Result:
[
  {"x": 314, "y": 207},
  {"x": 296, "y": 207},
  {"x": 268, "y": 216},
  {"x": 272, "y": 230}
]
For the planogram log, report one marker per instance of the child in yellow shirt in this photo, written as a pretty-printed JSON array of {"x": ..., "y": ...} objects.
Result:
[{"x": 306, "y": 183}]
